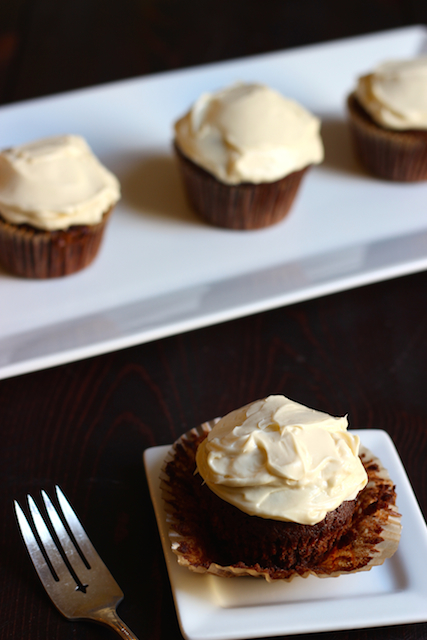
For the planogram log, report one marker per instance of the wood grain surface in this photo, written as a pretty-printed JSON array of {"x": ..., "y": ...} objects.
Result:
[{"x": 85, "y": 425}]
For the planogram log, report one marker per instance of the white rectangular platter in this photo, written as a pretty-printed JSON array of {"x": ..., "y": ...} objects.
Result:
[
  {"x": 213, "y": 608},
  {"x": 161, "y": 270}
]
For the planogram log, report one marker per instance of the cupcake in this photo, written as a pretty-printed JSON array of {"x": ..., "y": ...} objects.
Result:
[
  {"x": 243, "y": 152},
  {"x": 276, "y": 490},
  {"x": 55, "y": 201},
  {"x": 388, "y": 120}
]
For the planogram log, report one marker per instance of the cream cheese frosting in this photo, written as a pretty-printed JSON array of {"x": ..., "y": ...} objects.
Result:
[
  {"x": 249, "y": 133},
  {"x": 278, "y": 459},
  {"x": 55, "y": 183},
  {"x": 395, "y": 94}
]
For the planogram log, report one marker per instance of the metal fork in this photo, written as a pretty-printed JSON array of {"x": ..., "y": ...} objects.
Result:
[{"x": 74, "y": 576}]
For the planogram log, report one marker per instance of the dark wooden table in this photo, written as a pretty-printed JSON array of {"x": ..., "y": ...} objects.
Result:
[{"x": 85, "y": 425}]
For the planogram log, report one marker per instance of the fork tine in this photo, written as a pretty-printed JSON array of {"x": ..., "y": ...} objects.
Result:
[
  {"x": 77, "y": 530},
  {"x": 45, "y": 536},
  {"x": 67, "y": 544},
  {"x": 33, "y": 548},
  {"x": 27, "y": 534}
]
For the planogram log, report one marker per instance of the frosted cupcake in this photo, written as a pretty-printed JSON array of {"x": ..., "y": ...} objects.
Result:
[
  {"x": 55, "y": 200},
  {"x": 243, "y": 152},
  {"x": 277, "y": 490},
  {"x": 388, "y": 119}
]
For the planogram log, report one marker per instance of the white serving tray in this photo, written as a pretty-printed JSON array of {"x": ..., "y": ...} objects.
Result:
[
  {"x": 161, "y": 270},
  {"x": 213, "y": 608}
]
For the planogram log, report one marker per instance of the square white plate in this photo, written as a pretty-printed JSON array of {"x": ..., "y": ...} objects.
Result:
[
  {"x": 213, "y": 608},
  {"x": 161, "y": 270}
]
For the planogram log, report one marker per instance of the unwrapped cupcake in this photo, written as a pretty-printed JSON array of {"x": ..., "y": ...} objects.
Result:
[
  {"x": 388, "y": 119},
  {"x": 277, "y": 490},
  {"x": 55, "y": 200},
  {"x": 243, "y": 152}
]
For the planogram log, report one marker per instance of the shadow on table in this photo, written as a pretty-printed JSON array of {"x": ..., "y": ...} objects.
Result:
[
  {"x": 152, "y": 186},
  {"x": 339, "y": 153}
]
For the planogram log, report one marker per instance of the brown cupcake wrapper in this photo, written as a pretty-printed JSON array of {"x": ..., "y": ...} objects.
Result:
[
  {"x": 393, "y": 155},
  {"x": 34, "y": 253},
  {"x": 241, "y": 206},
  {"x": 373, "y": 538}
]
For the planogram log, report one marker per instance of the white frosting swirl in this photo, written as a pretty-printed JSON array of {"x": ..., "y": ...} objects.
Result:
[
  {"x": 249, "y": 133},
  {"x": 277, "y": 459},
  {"x": 55, "y": 183},
  {"x": 395, "y": 94}
]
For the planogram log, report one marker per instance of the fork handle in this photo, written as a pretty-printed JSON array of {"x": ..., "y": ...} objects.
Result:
[{"x": 110, "y": 618}]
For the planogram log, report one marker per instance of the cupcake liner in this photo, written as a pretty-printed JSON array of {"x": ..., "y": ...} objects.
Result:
[
  {"x": 373, "y": 537},
  {"x": 241, "y": 206},
  {"x": 35, "y": 253},
  {"x": 394, "y": 155}
]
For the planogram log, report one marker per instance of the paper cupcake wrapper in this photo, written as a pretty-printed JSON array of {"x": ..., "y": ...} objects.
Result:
[
  {"x": 393, "y": 155},
  {"x": 375, "y": 536},
  {"x": 241, "y": 206},
  {"x": 34, "y": 253}
]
